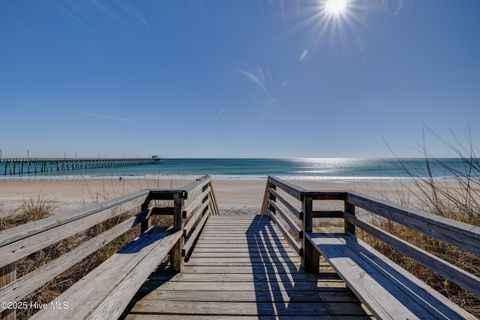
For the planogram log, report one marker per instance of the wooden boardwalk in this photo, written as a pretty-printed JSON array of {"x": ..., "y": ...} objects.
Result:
[
  {"x": 274, "y": 265},
  {"x": 243, "y": 267}
]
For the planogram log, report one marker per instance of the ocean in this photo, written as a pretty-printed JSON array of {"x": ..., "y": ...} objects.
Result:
[{"x": 301, "y": 168}]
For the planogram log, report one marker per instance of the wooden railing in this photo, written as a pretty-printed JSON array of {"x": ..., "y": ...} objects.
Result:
[
  {"x": 189, "y": 206},
  {"x": 298, "y": 224}
]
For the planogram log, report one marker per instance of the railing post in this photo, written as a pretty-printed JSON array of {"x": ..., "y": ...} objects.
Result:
[
  {"x": 271, "y": 197},
  {"x": 147, "y": 220},
  {"x": 350, "y": 208},
  {"x": 213, "y": 200},
  {"x": 310, "y": 256},
  {"x": 8, "y": 274},
  {"x": 176, "y": 259},
  {"x": 264, "y": 209}
]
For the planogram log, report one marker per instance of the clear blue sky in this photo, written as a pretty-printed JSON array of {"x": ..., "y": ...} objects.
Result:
[{"x": 236, "y": 78}]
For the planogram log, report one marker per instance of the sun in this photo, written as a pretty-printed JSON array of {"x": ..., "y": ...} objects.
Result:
[{"x": 336, "y": 7}]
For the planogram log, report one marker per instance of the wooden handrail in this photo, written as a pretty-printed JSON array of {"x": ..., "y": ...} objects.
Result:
[
  {"x": 18, "y": 242},
  {"x": 29, "y": 229},
  {"x": 291, "y": 189},
  {"x": 444, "y": 268},
  {"x": 286, "y": 203},
  {"x": 461, "y": 235}
]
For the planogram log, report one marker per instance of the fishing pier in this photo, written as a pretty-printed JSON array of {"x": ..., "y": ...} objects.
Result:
[{"x": 33, "y": 166}]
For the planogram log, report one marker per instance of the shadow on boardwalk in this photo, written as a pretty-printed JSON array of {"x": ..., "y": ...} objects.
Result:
[{"x": 281, "y": 288}]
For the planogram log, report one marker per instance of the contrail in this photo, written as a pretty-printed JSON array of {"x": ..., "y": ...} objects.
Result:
[
  {"x": 72, "y": 111},
  {"x": 218, "y": 115}
]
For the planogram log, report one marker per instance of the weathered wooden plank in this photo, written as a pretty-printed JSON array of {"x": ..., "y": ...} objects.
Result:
[
  {"x": 244, "y": 237},
  {"x": 310, "y": 257},
  {"x": 257, "y": 246},
  {"x": 250, "y": 231},
  {"x": 90, "y": 291},
  {"x": 161, "y": 211},
  {"x": 188, "y": 245},
  {"x": 255, "y": 224},
  {"x": 445, "y": 269},
  {"x": 227, "y": 227},
  {"x": 237, "y": 233},
  {"x": 270, "y": 233},
  {"x": 126, "y": 203},
  {"x": 176, "y": 259},
  {"x": 252, "y": 254},
  {"x": 258, "y": 243},
  {"x": 239, "y": 217},
  {"x": 325, "y": 285},
  {"x": 196, "y": 186},
  {"x": 239, "y": 263},
  {"x": 349, "y": 209},
  {"x": 456, "y": 233},
  {"x": 8, "y": 275},
  {"x": 295, "y": 245},
  {"x": 242, "y": 244},
  {"x": 242, "y": 277},
  {"x": 193, "y": 218},
  {"x": 291, "y": 189},
  {"x": 245, "y": 227},
  {"x": 233, "y": 249},
  {"x": 388, "y": 290},
  {"x": 252, "y": 296},
  {"x": 141, "y": 316},
  {"x": 325, "y": 195},
  {"x": 245, "y": 308},
  {"x": 241, "y": 222},
  {"x": 213, "y": 200},
  {"x": 266, "y": 196},
  {"x": 280, "y": 268},
  {"x": 286, "y": 203},
  {"x": 35, "y": 279},
  {"x": 21, "y": 248},
  {"x": 327, "y": 214},
  {"x": 165, "y": 194},
  {"x": 293, "y": 225},
  {"x": 196, "y": 202},
  {"x": 221, "y": 260},
  {"x": 114, "y": 304}
]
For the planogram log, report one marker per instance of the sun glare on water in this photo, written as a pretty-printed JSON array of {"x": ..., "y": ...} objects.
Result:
[{"x": 335, "y": 7}]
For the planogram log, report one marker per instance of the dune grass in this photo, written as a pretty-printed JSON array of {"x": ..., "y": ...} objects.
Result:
[{"x": 458, "y": 199}]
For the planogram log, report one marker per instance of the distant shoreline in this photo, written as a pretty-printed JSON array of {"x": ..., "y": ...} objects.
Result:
[{"x": 235, "y": 196}]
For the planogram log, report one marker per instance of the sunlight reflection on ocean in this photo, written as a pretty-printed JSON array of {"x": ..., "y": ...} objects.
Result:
[{"x": 302, "y": 168}]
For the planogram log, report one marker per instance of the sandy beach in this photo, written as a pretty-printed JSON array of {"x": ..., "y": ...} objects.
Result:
[{"x": 234, "y": 196}]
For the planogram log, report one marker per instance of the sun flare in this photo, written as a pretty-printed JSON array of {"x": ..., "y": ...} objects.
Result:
[{"x": 336, "y": 7}]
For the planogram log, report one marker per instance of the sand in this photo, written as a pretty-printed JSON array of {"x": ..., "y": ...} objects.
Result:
[{"x": 234, "y": 196}]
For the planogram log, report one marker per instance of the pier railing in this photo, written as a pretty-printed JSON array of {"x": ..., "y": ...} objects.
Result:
[
  {"x": 32, "y": 166},
  {"x": 282, "y": 202},
  {"x": 189, "y": 207}
]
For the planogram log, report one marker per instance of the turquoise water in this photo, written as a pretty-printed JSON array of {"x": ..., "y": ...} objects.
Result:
[{"x": 321, "y": 168}]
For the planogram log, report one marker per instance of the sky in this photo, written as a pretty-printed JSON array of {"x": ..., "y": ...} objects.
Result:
[{"x": 238, "y": 78}]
